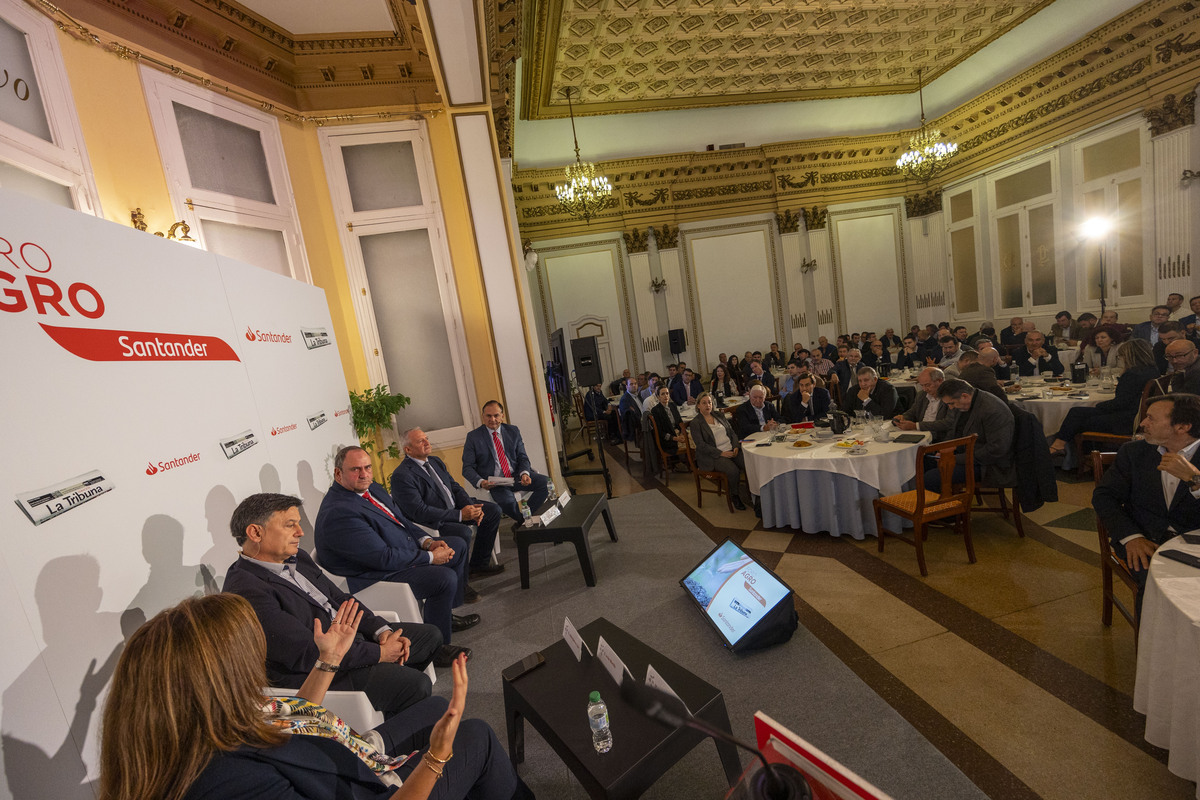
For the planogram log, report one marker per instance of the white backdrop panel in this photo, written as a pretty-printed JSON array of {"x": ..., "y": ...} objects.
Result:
[
  {"x": 584, "y": 283},
  {"x": 733, "y": 283},
  {"x": 149, "y": 390},
  {"x": 869, "y": 268}
]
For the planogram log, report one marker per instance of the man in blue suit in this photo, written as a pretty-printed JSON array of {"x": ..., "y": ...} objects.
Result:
[
  {"x": 495, "y": 449},
  {"x": 629, "y": 409},
  {"x": 807, "y": 402},
  {"x": 424, "y": 490},
  {"x": 363, "y": 536},
  {"x": 685, "y": 390}
]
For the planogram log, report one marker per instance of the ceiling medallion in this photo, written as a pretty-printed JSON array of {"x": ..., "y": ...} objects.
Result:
[
  {"x": 584, "y": 194},
  {"x": 927, "y": 154}
]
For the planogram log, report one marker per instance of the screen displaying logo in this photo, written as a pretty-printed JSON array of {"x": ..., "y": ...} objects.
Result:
[
  {"x": 238, "y": 443},
  {"x": 315, "y": 337},
  {"x": 317, "y": 420},
  {"x": 45, "y": 504}
]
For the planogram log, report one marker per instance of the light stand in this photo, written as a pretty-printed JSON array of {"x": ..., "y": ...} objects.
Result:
[
  {"x": 567, "y": 471},
  {"x": 1097, "y": 229}
]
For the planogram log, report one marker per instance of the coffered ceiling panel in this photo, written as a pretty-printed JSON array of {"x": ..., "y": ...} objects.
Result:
[{"x": 639, "y": 55}]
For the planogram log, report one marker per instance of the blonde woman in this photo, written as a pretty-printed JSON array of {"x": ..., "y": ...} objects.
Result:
[{"x": 717, "y": 448}]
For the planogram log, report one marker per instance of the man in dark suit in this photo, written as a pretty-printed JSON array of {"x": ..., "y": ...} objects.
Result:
[
  {"x": 424, "y": 490},
  {"x": 774, "y": 358},
  {"x": 363, "y": 536},
  {"x": 495, "y": 449},
  {"x": 1149, "y": 330},
  {"x": 1185, "y": 365},
  {"x": 849, "y": 360},
  {"x": 1014, "y": 334},
  {"x": 1152, "y": 491},
  {"x": 827, "y": 348},
  {"x": 928, "y": 413},
  {"x": 685, "y": 390},
  {"x": 807, "y": 402},
  {"x": 757, "y": 373},
  {"x": 1167, "y": 332},
  {"x": 972, "y": 370},
  {"x": 629, "y": 409},
  {"x": 289, "y": 592},
  {"x": 991, "y": 420},
  {"x": 1036, "y": 357},
  {"x": 872, "y": 395},
  {"x": 755, "y": 415}
]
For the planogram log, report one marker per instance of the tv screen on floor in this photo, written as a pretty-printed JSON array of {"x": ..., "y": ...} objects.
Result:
[{"x": 737, "y": 594}]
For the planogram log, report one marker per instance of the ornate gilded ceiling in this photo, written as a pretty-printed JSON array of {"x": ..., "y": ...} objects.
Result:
[{"x": 639, "y": 55}]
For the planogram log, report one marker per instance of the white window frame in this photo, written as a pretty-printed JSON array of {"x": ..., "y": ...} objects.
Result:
[
  {"x": 1054, "y": 199},
  {"x": 428, "y": 216},
  {"x": 1144, "y": 172},
  {"x": 64, "y": 160},
  {"x": 194, "y": 205}
]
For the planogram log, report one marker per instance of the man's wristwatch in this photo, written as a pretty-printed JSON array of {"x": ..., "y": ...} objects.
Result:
[
  {"x": 325, "y": 666},
  {"x": 1194, "y": 483}
]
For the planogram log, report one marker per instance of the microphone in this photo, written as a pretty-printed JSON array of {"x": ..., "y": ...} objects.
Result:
[{"x": 775, "y": 782}]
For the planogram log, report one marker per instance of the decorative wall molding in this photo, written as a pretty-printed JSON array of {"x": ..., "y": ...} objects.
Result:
[
  {"x": 931, "y": 299},
  {"x": 1172, "y": 114},
  {"x": 1176, "y": 267},
  {"x": 637, "y": 241},
  {"x": 815, "y": 218},
  {"x": 666, "y": 237},
  {"x": 650, "y": 344},
  {"x": 788, "y": 221},
  {"x": 799, "y": 321},
  {"x": 825, "y": 316},
  {"x": 920, "y": 205}
]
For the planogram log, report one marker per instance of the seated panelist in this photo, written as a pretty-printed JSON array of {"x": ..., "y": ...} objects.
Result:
[{"x": 495, "y": 449}]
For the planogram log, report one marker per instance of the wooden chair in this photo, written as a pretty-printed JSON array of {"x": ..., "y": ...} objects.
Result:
[
  {"x": 665, "y": 460},
  {"x": 922, "y": 506},
  {"x": 632, "y": 422},
  {"x": 586, "y": 427},
  {"x": 717, "y": 478},
  {"x": 1109, "y": 563},
  {"x": 1110, "y": 440}
]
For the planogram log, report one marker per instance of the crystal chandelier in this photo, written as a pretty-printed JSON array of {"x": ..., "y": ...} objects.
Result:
[
  {"x": 927, "y": 154},
  {"x": 584, "y": 194}
]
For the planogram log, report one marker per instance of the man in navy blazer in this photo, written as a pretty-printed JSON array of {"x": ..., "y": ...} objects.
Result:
[
  {"x": 807, "y": 402},
  {"x": 363, "y": 536},
  {"x": 686, "y": 389},
  {"x": 495, "y": 449},
  {"x": 1148, "y": 330},
  {"x": 424, "y": 490},
  {"x": 288, "y": 592},
  {"x": 1132, "y": 498}
]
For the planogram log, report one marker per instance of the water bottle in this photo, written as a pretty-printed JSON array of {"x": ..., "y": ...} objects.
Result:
[
  {"x": 551, "y": 494},
  {"x": 598, "y": 719},
  {"x": 525, "y": 512}
]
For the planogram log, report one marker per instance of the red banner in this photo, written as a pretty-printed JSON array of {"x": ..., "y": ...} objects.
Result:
[{"x": 97, "y": 344}]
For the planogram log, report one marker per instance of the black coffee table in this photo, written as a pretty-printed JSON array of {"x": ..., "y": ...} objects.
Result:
[
  {"x": 554, "y": 699},
  {"x": 571, "y": 526}
]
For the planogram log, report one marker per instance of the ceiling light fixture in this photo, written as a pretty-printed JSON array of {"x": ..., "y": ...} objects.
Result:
[
  {"x": 927, "y": 154},
  {"x": 584, "y": 194}
]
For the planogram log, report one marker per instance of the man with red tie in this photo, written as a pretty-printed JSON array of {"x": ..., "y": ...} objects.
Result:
[{"x": 495, "y": 450}]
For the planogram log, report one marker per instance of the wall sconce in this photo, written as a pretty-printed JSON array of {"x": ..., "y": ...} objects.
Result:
[
  {"x": 531, "y": 256},
  {"x": 807, "y": 265},
  {"x": 1189, "y": 176},
  {"x": 657, "y": 285},
  {"x": 138, "y": 220}
]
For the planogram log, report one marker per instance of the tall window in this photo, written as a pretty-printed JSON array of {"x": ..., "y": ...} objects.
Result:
[
  {"x": 226, "y": 173},
  {"x": 1025, "y": 251},
  {"x": 41, "y": 146},
  {"x": 385, "y": 203},
  {"x": 963, "y": 231}
]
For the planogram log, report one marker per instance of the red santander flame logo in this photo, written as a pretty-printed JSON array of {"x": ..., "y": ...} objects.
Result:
[
  {"x": 274, "y": 432},
  {"x": 151, "y": 469},
  {"x": 249, "y": 333}
]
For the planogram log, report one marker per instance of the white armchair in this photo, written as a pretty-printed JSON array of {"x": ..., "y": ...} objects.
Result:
[{"x": 353, "y": 707}]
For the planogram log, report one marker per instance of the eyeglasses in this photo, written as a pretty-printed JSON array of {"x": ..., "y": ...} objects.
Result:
[{"x": 1178, "y": 356}]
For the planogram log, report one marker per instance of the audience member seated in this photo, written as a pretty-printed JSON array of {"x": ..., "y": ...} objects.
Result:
[
  {"x": 774, "y": 358},
  {"x": 990, "y": 357},
  {"x": 596, "y": 407},
  {"x": 1065, "y": 331},
  {"x": 828, "y": 349},
  {"x": 1099, "y": 347},
  {"x": 978, "y": 374},
  {"x": 849, "y": 360},
  {"x": 427, "y": 493},
  {"x": 878, "y": 356},
  {"x": 1130, "y": 498},
  {"x": 289, "y": 592},
  {"x": 619, "y": 384},
  {"x": 670, "y": 423},
  {"x": 186, "y": 718},
  {"x": 755, "y": 415},
  {"x": 952, "y": 350},
  {"x": 1148, "y": 330},
  {"x": 745, "y": 366},
  {"x": 1014, "y": 335},
  {"x": 1189, "y": 322},
  {"x": 723, "y": 384},
  {"x": 986, "y": 331},
  {"x": 717, "y": 448},
  {"x": 991, "y": 420},
  {"x": 734, "y": 368},
  {"x": 1167, "y": 332},
  {"x": 1175, "y": 304},
  {"x": 890, "y": 339},
  {"x": 757, "y": 373},
  {"x": 362, "y": 536},
  {"x": 629, "y": 411},
  {"x": 496, "y": 450},
  {"x": 686, "y": 389},
  {"x": 799, "y": 355},
  {"x": 647, "y": 385},
  {"x": 1185, "y": 368},
  {"x": 928, "y": 413},
  {"x": 873, "y": 396},
  {"x": 1087, "y": 320},
  {"x": 909, "y": 356},
  {"x": 1036, "y": 357},
  {"x": 1115, "y": 415},
  {"x": 819, "y": 365},
  {"x": 960, "y": 332},
  {"x": 807, "y": 402},
  {"x": 788, "y": 383}
]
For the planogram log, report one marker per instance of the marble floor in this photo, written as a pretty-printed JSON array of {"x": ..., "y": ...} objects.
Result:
[{"x": 1003, "y": 665}]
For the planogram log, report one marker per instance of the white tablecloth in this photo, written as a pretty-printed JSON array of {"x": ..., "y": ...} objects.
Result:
[
  {"x": 823, "y": 488},
  {"x": 1167, "y": 689},
  {"x": 1053, "y": 411}
]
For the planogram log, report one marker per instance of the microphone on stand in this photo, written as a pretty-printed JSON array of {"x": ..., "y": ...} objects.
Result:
[{"x": 774, "y": 782}]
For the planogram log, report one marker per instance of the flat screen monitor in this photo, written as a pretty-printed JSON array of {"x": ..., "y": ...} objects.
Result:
[{"x": 746, "y": 602}]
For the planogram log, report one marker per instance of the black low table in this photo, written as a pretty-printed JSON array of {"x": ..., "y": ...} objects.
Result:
[
  {"x": 571, "y": 526},
  {"x": 554, "y": 698}
]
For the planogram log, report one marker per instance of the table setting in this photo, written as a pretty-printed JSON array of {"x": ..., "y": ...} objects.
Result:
[{"x": 1049, "y": 398}]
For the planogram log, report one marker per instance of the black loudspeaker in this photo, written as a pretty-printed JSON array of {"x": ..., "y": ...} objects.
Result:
[
  {"x": 678, "y": 341},
  {"x": 587, "y": 361}
]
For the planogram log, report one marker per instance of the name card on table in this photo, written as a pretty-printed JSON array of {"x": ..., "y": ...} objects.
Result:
[
  {"x": 612, "y": 662},
  {"x": 574, "y": 640},
  {"x": 656, "y": 681},
  {"x": 564, "y": 498},
  {"x": 552, "y": 513}
]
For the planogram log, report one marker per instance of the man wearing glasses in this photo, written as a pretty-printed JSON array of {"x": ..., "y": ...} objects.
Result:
[{"x": 1185, "y": 368}]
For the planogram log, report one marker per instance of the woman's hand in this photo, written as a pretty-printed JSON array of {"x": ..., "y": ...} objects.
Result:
[
  {"x": 441, "y": 740},
  {"x": 333, "y": 643}
]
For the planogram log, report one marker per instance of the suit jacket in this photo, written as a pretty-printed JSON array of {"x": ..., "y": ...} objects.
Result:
[
  {"x": 1047, "y": 363},
  {"x": 1188, "y": 380},
  {"x": 1010, "y": 339},
  {"x": 906, "y": 360},
  {"x": 794, "y": 411},
  {"x": 881, "y": 402},
  {"x": 479, "y": 460},
  {"x": 940, "y": 423},
  {"x": 845, "y": 374},
  {"x": 772, "y": 360},
  {"x": 361, "y": 542},
  {"x": 1142, "y": 330},
  {"x": 982, "y": 377},
  {"x": 1036, "y": 483},
  {"x": 669, "y": 423},
  {"x": 1128, "y": 395},
  {"x": 1130, "y": 497},
  {"x": 871, "y": 360},
  {"x": 992, "y": 421},
  {"x": 768, "y": 381},
  {"x": 681, "y": 392},
  {"x": 745, "y": 421},
  {"x": 286, "y": 615},
  {"x": 829, "y": 351},
  {"x": 595, "y": 405},
  {"x": 706, "y": 446},
  {"x": 421, "y": 499}
]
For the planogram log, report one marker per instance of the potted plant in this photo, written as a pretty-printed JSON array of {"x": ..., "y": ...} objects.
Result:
[{"x": 372, "y": 412}]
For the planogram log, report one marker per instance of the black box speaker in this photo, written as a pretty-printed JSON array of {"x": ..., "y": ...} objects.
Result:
[
  {"x": 586, "y": 359},
  {"x": 678, "y": 340}
]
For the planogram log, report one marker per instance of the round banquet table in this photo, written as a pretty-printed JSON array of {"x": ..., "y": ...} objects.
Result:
[
  {"x": 823, "y": 486},
  {"x": 1167, "y": 688},
  {"x": 906, "y": 390},
  {"x": 1051, "y": 412}
]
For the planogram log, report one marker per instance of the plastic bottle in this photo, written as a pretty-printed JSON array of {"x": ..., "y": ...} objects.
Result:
[
  {"x": 525, "y": 512},
  {"x": 551, "y": 493},
  {"x": 598, "y": 718}
]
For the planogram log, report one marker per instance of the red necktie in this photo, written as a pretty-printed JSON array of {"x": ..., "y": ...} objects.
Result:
[
  {"x": 505, "y": 469},
  {"x": 380, "y": 506}
]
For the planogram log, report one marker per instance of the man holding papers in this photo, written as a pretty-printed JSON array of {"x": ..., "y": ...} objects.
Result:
[{"x": 494, "y": 459}]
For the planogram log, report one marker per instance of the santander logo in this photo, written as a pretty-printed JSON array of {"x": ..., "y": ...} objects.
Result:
[
  {"x": 249, "y": 333},
  {"x": 340, "y": 413},
  {"x": 283, "y": 429},
  {"x": 162, "y": 466},
  {"x": 151, "y": 469},
  {"x": 267, "y": 336}
]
